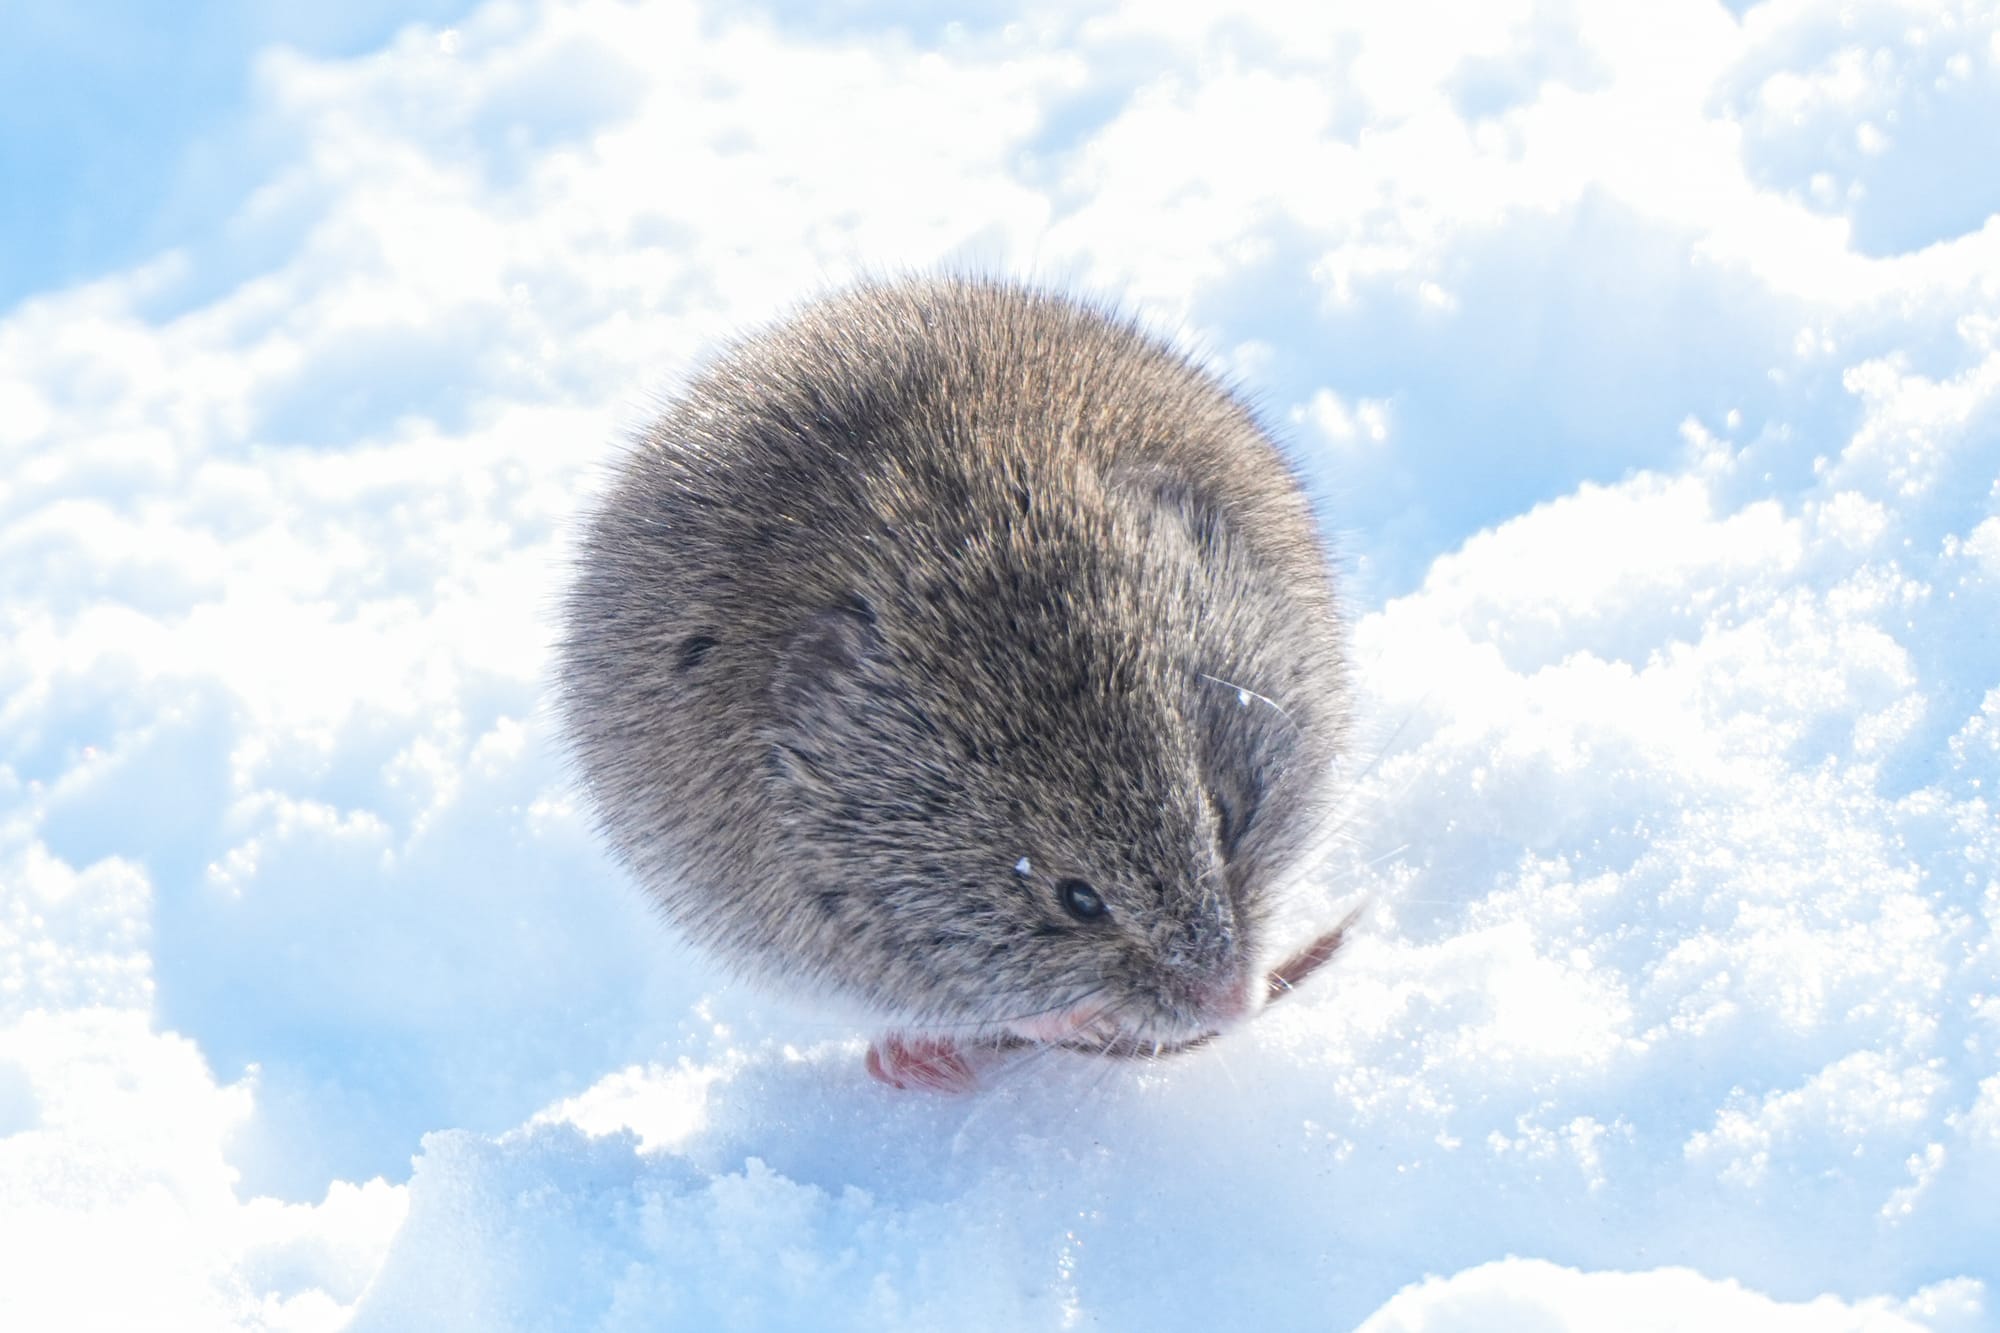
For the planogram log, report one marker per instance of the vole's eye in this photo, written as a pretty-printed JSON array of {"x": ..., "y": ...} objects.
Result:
[{"x": 1080, "y": 900}]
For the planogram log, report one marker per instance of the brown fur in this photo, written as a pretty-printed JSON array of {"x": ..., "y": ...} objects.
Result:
[{"x": 934, "y": 576}]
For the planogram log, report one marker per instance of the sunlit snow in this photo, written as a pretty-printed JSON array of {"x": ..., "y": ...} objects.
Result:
[{"x": 1644, "y": 362}]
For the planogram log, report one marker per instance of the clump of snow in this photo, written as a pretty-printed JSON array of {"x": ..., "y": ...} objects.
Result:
[{"x": 1533, "y": 1294}]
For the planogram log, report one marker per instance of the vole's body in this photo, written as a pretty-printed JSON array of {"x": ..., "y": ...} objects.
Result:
[{"x": 926, "y": 606}]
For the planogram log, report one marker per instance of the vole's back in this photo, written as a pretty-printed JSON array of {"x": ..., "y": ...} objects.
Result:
[{"x": 935, "y": 581}]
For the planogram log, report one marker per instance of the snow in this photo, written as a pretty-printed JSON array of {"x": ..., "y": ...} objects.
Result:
[{"x": 1645, "y": 364}]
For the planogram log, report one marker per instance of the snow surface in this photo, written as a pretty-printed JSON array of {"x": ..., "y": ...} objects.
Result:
[{"x": 1645, "y": 360}]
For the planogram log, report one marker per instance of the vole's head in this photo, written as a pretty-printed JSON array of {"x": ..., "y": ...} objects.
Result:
[{"x": 1041, "y": 775}]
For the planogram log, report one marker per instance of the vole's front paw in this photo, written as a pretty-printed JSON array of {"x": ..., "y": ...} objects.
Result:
[{"x": 932, "y": 1063}]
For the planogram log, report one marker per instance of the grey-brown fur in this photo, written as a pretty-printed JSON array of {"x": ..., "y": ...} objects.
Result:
[{"x": 931, "y": 577}]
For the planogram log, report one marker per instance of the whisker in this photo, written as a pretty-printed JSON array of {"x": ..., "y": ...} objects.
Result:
[
  {"x": 1228, "y": 1072},
  {"x": 1105, "y": 1063},
  {"x": 1382, "y": 750},
  {"x": 920, "y": 1022},
  {"x": 1244, "y": 693}
]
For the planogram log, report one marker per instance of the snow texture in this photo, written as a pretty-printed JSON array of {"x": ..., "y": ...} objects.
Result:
[{"x": 1644, "y": 360}]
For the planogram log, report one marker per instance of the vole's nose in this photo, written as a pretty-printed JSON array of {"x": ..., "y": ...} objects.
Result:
[
  {"x": 1206, "y": 979},
  {"x": 1228, "y": 1000}
]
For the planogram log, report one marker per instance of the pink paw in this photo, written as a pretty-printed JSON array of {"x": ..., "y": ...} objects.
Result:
[{"x": 920, "y": 1062}]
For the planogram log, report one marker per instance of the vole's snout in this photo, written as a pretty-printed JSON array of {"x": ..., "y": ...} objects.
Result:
[
  {"x": 1227, "y": 1001},
  {"x": 1222, "y": 998},
  {"x": 1206, "y": 978},
  {"x": 1207, "y": 984}
]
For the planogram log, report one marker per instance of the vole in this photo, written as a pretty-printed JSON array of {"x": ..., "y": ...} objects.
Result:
[{"x": 956, "y": 647}]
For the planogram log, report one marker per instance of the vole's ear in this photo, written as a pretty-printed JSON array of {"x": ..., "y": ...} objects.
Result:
[
  {"x": 817, "y": 675},
  {"x": 1181, "y": 511}
]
